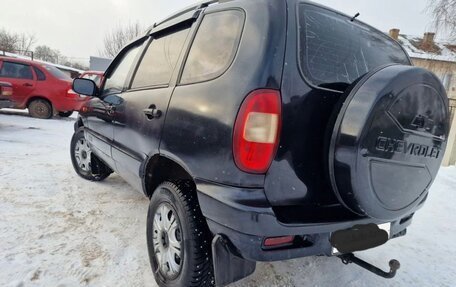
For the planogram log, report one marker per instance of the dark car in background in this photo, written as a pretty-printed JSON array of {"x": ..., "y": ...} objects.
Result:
[
  {"x": 264, "y": 130},
  {"x": 41, "y": 88},
  {"x": 6, "y": 91}
]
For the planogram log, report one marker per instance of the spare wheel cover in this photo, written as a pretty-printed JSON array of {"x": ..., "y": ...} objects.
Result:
[{"x": 388, "y": 141}]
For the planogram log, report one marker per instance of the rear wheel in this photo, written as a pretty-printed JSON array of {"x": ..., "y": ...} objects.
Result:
[
  {"x": 178, "y": 238},
  {"x": 40, "y": 109},
  {"x": 82, "y": 159},
  {"x": 65, "y": 114}
]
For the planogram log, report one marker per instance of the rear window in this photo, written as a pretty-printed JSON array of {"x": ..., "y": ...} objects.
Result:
[
  {"x": 57, "y": 73},
  {"x": 335, "y": 50}
]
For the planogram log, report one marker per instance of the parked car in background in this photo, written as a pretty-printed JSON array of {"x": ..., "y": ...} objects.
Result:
[
  {"x": 96, "y": 76},
  {"x": 42, "y": 88},
  {"x": 261, "y": 131},
  {"x": 6, "y": 91}
]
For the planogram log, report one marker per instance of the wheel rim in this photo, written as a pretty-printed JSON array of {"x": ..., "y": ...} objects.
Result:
[
  {"x": 82, "y": 153},
  {"x": 41, "y": 109},
  {"x": 167, "y": 241}
]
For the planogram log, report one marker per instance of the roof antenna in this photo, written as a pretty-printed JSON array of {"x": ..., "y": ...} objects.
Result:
[{"x": 354, "y": 17}]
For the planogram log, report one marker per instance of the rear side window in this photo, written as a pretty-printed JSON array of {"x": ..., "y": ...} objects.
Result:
[
  {"x": 214, "y": 46},
  {"x": 40, "y": 76},
  {"x": 160, "y": 60},
  {"x": 334, "y": 50},
  {"x": 16, "y": 70}
]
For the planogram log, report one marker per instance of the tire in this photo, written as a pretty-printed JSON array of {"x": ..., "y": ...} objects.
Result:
[
  {"x": 82, "y": 159},
  {"x": 40, "y": 109},
  {"x": 193, "y": 260},
  {"x": 65, "y": 114}
]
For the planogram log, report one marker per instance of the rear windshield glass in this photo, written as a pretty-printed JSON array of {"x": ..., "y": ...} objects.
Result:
[
  {"x": 57, "y": 73},
  {"x": 335, "y": 50}
]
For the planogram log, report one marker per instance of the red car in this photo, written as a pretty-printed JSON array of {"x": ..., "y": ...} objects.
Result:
[
  {"x": 96, "y": 76},
  {"x": 41, "y": 88}
]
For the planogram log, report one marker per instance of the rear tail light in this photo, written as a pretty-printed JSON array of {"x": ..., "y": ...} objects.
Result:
[
  {"x": 72, "y": 93},
  {"x": 256, "y": 132},
  {"x": 6, "y": 91}
]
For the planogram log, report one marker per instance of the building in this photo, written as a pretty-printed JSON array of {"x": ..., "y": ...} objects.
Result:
[{"x": 440, "y": 58}]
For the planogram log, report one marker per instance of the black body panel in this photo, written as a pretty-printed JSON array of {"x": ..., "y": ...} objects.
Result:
[{"x": 200, "y": 119}]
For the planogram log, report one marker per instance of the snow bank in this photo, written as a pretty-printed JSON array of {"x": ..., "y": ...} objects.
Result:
[{"x": 59, "y": 230}]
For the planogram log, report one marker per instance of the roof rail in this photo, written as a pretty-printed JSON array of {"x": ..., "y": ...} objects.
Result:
[{"x": 199, "y": 5}]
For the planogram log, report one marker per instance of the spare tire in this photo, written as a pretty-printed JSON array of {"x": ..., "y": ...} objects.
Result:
[{"x": 388, "y": 141}]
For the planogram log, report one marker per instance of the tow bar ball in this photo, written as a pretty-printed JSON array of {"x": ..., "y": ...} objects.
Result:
[{"x": 393, "y": 264}]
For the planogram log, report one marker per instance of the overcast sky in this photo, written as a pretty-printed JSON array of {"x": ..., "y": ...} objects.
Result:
[{"x": 77, "y": 28}]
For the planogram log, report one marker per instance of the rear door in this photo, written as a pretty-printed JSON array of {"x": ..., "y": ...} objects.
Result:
[
  {"x": 21, "y": 77},
  {"x": 141, "y": 112}
]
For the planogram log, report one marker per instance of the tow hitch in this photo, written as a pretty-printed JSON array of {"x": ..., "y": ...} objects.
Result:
[{"x": 351, "y": 258}]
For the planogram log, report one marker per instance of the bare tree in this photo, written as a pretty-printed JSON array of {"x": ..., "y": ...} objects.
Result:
[
  {"x": 8, "y": 41},
  {"x": 444, "y": 16},
  {"x": 47, "y": 54},
  {"x": 25, "y": 42},
  {"x": 119, "y": 37},
  {"x": 16, "y": 43}
]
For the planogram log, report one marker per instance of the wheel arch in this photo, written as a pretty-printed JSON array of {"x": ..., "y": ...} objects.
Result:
[
  {"x": 159, "y": 168},
  {"x": 78, "y": 124},
  {"x": 32, "y": 98}
]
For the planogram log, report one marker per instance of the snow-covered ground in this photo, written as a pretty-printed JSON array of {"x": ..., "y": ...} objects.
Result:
[{"x": 59, "y": 230}]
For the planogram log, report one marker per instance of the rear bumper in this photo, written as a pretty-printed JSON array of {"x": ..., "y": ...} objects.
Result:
[
  {"x": 71, "y": 104},
  {"x": 245, "y": 217}
]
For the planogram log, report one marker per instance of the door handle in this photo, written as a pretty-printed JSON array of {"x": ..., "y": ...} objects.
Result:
[
  {"x": 27, "y": 85},
  {"x": 152, "y": 112}
]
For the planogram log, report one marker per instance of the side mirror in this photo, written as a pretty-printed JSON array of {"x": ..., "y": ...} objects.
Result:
[{"x": 85, "y": 87}]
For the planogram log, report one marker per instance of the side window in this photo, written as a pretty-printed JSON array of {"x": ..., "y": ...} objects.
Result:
[
  {"x": 160, "y": 60},
  {"x": 40, "y": 76},
  {"x": 115, "y": 83},
  {"x": 214, "y": 46},
  {"x": 16, "y": 70}
]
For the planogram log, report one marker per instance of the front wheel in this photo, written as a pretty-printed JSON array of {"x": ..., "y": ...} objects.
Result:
[
  {"x": 178, "y": 239},
  {"x": 81, "y": 158}
]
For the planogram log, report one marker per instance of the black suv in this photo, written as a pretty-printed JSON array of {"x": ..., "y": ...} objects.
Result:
[{"x": 264, "y": 130}]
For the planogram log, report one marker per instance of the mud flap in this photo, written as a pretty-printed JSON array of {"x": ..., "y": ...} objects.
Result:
[
  {"x": 98, "y": 167},
  {"x": 228, "y": 266}
]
